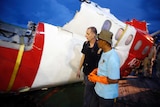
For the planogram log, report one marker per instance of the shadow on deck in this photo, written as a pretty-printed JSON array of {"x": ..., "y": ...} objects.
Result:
[{"x": 133, "y": 92}]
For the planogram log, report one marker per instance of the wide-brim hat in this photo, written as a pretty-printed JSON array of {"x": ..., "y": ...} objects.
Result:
[{"x": 106, "y": 36}]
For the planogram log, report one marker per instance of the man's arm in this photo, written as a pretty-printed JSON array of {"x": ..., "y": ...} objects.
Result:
[{"x": 80, "y": 65}]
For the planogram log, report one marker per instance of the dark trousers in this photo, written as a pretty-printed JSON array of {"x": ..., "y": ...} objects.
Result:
[
  {"x": 101, "y": 102},
  {"x": 154, "y": 70},
  {"x": 88, "y": 92}
]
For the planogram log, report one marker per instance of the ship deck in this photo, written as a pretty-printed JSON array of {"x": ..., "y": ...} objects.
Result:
[{"x": 133, "y": 92}]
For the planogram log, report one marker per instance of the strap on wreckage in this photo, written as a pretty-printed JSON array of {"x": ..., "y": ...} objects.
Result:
[
  {"x": 121, "y": 35},
  {"x": 17, "y": 64}
]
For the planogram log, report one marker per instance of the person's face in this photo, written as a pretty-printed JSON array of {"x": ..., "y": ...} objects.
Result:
[
  {"x": 100, "y": 43},
  {"x": 89, "y": 35}
]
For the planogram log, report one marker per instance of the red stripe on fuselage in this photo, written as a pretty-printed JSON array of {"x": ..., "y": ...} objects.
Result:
[{"x": 29, "y": 64}]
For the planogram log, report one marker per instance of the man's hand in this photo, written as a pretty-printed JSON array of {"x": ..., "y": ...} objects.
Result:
[
  {"x": 94, "y": 78},
  {"x": 94, "y": 71},
  {"x": 78, "y": 73}
]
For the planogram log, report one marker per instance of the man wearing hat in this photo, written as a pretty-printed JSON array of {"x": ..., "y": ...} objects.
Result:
[{"x": 108, "y": 72}]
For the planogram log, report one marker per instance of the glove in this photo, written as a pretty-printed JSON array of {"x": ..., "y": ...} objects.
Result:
[
  {"x": 94, "y": 78},
  {"x": 94, "y": 71}
]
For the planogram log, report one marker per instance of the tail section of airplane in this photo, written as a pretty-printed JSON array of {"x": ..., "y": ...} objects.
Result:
[{"x": 130, "y": 39}]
